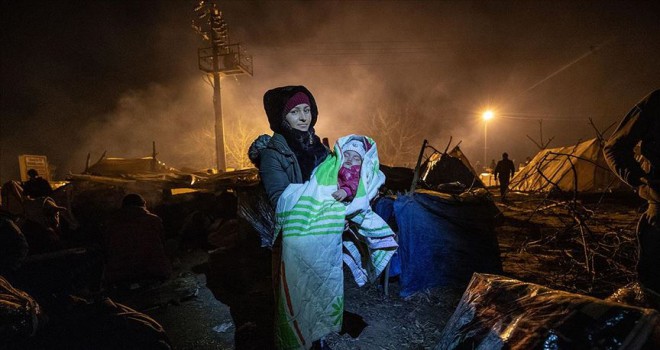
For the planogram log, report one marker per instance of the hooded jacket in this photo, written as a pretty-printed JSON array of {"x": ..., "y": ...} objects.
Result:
[
  {"x": 275, "y": 100},
  {"x": 278, "y": 164}
]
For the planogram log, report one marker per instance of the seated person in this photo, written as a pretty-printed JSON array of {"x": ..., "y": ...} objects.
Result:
[
  {"x": 42, "y": 225},
  {"x": 36, "y": 186},
  {"x": 133, "y": 244}
]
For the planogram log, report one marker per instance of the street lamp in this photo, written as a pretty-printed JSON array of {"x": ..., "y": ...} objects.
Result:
[{"x": 487, "y": 115}]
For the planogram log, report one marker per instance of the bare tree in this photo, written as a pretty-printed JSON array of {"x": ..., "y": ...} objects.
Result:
[
  {"x": 198, "y": 147},
  {"x": 397, "y": 137},
  {"x": 238, "y": 141}
]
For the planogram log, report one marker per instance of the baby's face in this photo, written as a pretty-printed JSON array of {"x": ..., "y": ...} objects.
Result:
[{"x": 352, "y": 158}]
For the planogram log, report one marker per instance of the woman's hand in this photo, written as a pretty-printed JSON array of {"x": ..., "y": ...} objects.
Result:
[{"x": 339, "y": 195}]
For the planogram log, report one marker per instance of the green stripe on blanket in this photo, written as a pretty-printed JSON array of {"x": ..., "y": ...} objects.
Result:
[{"x": 311, "y": 292}]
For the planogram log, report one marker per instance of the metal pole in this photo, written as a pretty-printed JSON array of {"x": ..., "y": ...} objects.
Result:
[
  {"x": 219, "y": 127},
  {"x": 485, "y": 143},
  {"x": 217, "y": 106}
]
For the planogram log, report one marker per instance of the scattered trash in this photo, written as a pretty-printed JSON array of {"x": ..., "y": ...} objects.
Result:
[{"x": 223, "y": 327}]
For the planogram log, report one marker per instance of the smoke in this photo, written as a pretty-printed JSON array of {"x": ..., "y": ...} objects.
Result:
[{"x": 134, "y": 79}]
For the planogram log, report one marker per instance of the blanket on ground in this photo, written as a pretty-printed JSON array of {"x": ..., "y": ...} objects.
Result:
[{"x": 310, "y": 299}]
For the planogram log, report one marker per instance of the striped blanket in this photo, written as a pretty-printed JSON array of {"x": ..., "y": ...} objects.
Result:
[{"x": 311, "y": 287}]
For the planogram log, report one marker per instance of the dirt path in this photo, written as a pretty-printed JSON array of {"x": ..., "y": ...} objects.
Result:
[{"x": 544, "y": 247}]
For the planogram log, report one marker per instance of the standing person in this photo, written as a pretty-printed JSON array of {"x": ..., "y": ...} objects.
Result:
[
  {"x": 289, "y": 157},
  {"x": 491, "y": 167},
  {"x": 36, "y": 186},
  {"x": 641, "y": 126},
  {"x": 504, "y": 170}
]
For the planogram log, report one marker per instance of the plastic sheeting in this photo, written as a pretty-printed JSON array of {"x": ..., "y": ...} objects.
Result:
[
  {"x": 444, "y": 238},
  {"x": 19, "y": 312},
  {"x": 497, "y": 312},
  {"x": 254, "y": 206}
]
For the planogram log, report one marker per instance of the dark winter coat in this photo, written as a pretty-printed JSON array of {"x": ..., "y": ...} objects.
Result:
[
  {"x": 278, "y": 168},
  {"x": 37, "y": 187},
  {"x": 504, "y": 170}
]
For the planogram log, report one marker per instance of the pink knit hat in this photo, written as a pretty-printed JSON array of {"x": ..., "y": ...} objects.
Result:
[{"x": 296, "y": 99}]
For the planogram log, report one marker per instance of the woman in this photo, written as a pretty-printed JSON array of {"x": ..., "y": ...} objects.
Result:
[
  {"x": 294, "y": 150},
  {"x": 289, "y": 157},
  {"x": 300, "y": 177}
]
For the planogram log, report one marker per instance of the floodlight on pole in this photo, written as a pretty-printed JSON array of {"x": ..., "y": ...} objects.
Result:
[{"x": 223, "y": 58}]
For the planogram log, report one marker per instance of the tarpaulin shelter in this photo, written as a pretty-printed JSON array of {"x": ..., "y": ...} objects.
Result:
[
  {"x": 579, "y": 167},
  {"x": 443, "y": 238},
  {"x": 453, "y": 166}
]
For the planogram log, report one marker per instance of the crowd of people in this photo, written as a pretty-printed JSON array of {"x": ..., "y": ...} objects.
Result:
[{"x": 63, "y": 274}]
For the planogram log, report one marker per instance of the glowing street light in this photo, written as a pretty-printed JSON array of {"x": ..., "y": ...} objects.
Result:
[{"x": 486, "y": 116}]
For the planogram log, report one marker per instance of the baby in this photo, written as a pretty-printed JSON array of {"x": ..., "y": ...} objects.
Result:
[{"x": 349, "y": 174}]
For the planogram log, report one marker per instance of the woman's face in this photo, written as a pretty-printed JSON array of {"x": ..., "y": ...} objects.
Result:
[{"x": 300, "y": 117}]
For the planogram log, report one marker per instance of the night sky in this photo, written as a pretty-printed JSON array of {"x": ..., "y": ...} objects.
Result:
[{"x": 83, "y": 77}]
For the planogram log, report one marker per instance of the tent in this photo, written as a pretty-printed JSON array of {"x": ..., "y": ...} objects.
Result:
[
  {"x": 442, "y": 168},
  {"x": 579, "y": 167}
]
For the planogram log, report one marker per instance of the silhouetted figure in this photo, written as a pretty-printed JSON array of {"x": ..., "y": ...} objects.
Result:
[
  {"x": 42, "y": 225},
  {"x": 641, "y": 126},
  {"x": 133, "y": 243},
  {"x": 13, "y": 246},
  {"x": 36, "y": 186},
  {"x": 504, "y": 171}
]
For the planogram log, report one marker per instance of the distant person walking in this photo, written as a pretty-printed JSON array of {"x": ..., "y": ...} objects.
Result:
[
  {"x": 641, "y": 126},
  {"x": 36, "y": 186},
  {"x": 504, "y": 171}
]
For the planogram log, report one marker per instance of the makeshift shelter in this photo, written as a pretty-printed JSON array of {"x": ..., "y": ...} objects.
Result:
[
  {"x": 442, "y": 238},
  {"x": 580, "y": 168},
  {"x": 397, "y": 179},
  {"x": 123, "y": 166},
  {"x": 448, "y": 167}
]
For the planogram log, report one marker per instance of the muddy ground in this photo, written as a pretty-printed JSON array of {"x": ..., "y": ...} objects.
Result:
[{"x": 585, "y": 246}]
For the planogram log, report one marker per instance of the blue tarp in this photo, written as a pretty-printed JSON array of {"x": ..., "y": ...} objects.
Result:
[{"x": 443, "y": 239}]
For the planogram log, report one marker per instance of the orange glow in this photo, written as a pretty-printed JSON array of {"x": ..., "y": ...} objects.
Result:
[{"x": 488, "y": 115}]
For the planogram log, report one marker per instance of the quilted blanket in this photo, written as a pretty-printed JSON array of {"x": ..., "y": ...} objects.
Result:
[{"x": 310, "y": 299}]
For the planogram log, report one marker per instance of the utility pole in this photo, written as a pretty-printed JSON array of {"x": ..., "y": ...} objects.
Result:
[{"x": 221, "y": 59}]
